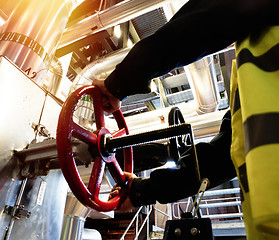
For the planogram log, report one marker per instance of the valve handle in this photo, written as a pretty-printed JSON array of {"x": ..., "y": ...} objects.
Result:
[{"x": 67, "y": 128}]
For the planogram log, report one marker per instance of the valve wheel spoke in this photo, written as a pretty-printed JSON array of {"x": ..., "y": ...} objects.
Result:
[
  {"x": 119, "y": 133},
  {"x": 98, "y": 110},
  {"x": 96, "y": 176},
  {"x": 83, "y": 134},
  {"x": 116, "y": 171}
]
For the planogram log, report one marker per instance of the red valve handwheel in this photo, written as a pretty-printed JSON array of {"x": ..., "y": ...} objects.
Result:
[{"x": 89, "y": 195}]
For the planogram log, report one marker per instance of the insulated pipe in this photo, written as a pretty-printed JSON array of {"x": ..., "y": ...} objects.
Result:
[
  {"x": 30, "y": 36},
  {"x": 72, "y": 228},
  {"x": 101, "y": 68},
  {"x": 119, "y": 13},
  {"x": 202, "y": 79},
  {"x": 74, "y": 219}
]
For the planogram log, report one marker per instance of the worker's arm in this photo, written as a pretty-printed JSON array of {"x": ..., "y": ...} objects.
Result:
[
  {"x": 169, "y": 185},
  {"x": 199, "y": 28}
]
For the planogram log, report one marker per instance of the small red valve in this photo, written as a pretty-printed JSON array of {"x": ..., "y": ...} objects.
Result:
[{"x": 67, "y": 128}]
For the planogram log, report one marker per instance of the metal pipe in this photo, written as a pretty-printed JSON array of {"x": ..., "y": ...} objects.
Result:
[
  {"x": 223, "y": 204},
  {"x": 222, "y": 192},
  {"x": 100, "y": 68},
  {"x": 74, "y": 218},
  {"x": 110, "y": 17},
  {"x": 203, "y": 85},
  {"x": 72, "y": 228},
  {"x": 229, "y": 215},
  {"x": 30, "y": 36},
  {"x": 17, "y": 203},
  {"x": 75, "y": 208}
]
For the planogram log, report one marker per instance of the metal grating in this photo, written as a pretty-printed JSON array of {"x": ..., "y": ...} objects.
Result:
[{"x": 149, "y": 23}]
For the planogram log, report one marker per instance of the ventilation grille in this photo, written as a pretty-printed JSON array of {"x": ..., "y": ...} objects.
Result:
[{"x": 149, "y": 23}]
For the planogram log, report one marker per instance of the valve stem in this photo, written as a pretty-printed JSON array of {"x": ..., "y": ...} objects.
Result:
[{"x": 111, "y": 144}]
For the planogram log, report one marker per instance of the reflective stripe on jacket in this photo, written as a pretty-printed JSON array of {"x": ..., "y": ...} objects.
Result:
[{"x": 255, "y": 131}]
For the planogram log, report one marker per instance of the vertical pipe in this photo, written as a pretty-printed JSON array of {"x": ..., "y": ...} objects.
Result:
[
  {"x": 211, "y": 63},
  {"x": 74, "y": 218},
  {"x": 30, "y": 36},
  {"x": 72, "y": 228},
  {"x": 202, "y": 85}
]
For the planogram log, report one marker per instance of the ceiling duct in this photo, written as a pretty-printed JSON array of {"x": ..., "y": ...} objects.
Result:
[{"x": 119, "y": 13}]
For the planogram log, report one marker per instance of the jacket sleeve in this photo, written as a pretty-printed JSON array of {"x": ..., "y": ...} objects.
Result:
[
  {"x": 199, "y": 28},
  {"x": 169, "y": 185}
]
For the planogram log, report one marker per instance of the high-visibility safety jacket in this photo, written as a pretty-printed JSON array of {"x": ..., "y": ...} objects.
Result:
[{"x": 255, "y": 131}]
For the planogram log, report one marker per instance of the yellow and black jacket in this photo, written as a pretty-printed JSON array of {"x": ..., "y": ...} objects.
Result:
[{"x": 255, "y": 131}]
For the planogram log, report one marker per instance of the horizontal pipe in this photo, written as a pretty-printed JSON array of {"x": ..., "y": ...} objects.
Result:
[
  {"x": 222, "y": 192},
  {"x": 100, "y": 68},
  {"x": 229, "y": 215},
  {"x": 223, "y": 204},
  {"x": 119, "y": 13}
]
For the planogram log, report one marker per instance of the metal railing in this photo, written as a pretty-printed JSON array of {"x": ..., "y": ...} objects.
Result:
[
  {"x": 139, "y": 226},
  {"x": 213, "y": 199},
  {"x": 220, "y": 200}
]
